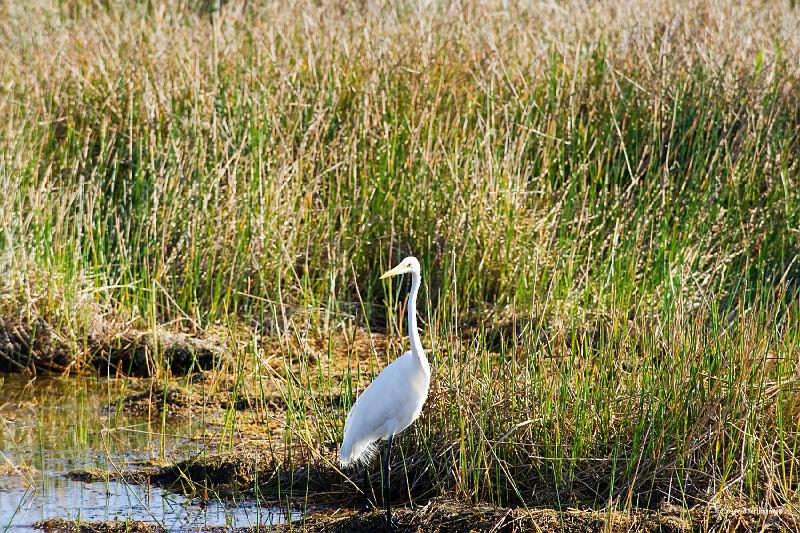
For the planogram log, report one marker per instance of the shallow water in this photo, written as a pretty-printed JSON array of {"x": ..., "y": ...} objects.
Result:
[{"x": 50, "y": 426}]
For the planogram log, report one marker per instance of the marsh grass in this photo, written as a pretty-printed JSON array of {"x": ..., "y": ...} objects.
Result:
[{"x": 604, "y": 199}]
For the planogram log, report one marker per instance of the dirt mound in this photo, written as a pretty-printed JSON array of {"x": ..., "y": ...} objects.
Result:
[
  {"x": 136, "y": 476},
  {"x": 225, "y": 474},
  {"x": 35, "y": 345},
  {"x": 241, "y": 472},
  {"x": 140, "y": 353},
  {"x": 220, "y": 473},
  {"x": 209, "y": 393},
  {"x": 176, "y": 401},
  {"x": 59, "y": 525}
]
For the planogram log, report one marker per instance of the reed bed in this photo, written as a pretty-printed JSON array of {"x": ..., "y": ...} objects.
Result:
[{"x": 603, "y": 195}]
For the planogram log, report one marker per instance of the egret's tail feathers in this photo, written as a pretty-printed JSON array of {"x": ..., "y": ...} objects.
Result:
[{"x": 353, "y": 453}]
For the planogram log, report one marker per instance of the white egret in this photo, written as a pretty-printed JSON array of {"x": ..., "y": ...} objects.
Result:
[{"x": 393, "y": 400}]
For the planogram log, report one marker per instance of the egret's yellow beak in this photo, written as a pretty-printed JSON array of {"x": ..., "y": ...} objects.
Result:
[{"x": 393, "y": 272}]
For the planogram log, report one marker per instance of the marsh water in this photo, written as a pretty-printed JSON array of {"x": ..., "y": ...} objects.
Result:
[{"x": 52, "y": 426}]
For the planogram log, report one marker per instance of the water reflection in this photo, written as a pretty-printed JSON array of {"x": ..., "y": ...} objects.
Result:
[{"x": 53, "y": 425}]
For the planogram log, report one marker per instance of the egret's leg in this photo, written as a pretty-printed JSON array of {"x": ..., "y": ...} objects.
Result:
[
  {"x": 387, "y": 480},
  {"x": 369, "y": 494}
]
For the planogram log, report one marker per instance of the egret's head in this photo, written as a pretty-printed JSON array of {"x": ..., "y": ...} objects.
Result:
[{"x": 407, "y": 265}]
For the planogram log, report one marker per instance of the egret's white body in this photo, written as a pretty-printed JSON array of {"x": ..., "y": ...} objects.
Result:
[
  {"x": 389, "y": 405},
  {"x": 395, "y": 398}
]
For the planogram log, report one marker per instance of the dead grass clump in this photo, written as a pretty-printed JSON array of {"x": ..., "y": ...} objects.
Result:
[
  {"x": 227, "y": 473},
  {"x": 37, "y": 346},
  {"x": 148, "y": 353},
  {"x": 8, "y": 469},
  {"x": 136, "y": 476},
  {"x": 743, "y": 518},
  {"x": 61, "y": 525},
  {"x": 13, "y": 475},
  {"x": 31, "y": 346}
]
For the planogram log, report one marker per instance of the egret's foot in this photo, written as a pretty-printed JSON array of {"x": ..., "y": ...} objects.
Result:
[{"x": 367, "y": 507}]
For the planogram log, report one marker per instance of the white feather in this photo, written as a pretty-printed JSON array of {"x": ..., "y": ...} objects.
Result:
[{"x": 389, "y": 405}]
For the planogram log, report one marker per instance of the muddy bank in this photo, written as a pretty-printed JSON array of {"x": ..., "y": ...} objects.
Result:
[
  {"x": 60, "y": 525},
  {"x": 34, "y": 345},
  {"x": 238, "y": 473},
  {"x": 208, "y": 391},
  {"x": 141, "y": 353},
  {"x": 134, "y": 476},
  {"x": 228, "y": 474},
  {"x": 447, "y": 516}
]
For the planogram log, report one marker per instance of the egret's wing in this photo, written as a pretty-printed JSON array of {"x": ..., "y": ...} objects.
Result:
[{"x": 369, "y": 417}]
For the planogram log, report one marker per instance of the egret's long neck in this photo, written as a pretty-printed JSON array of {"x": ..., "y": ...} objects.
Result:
[{"x": 413, "y": 334}]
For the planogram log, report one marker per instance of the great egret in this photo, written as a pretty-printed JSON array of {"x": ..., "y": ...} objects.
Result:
[{"x": 393, "y": 400}]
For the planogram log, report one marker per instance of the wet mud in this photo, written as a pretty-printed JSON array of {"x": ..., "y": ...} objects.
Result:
[{"x": 446, "y": 516}]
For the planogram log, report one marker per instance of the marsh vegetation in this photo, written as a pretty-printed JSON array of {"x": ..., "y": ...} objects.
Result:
[{"x": 197, "y": 204}]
